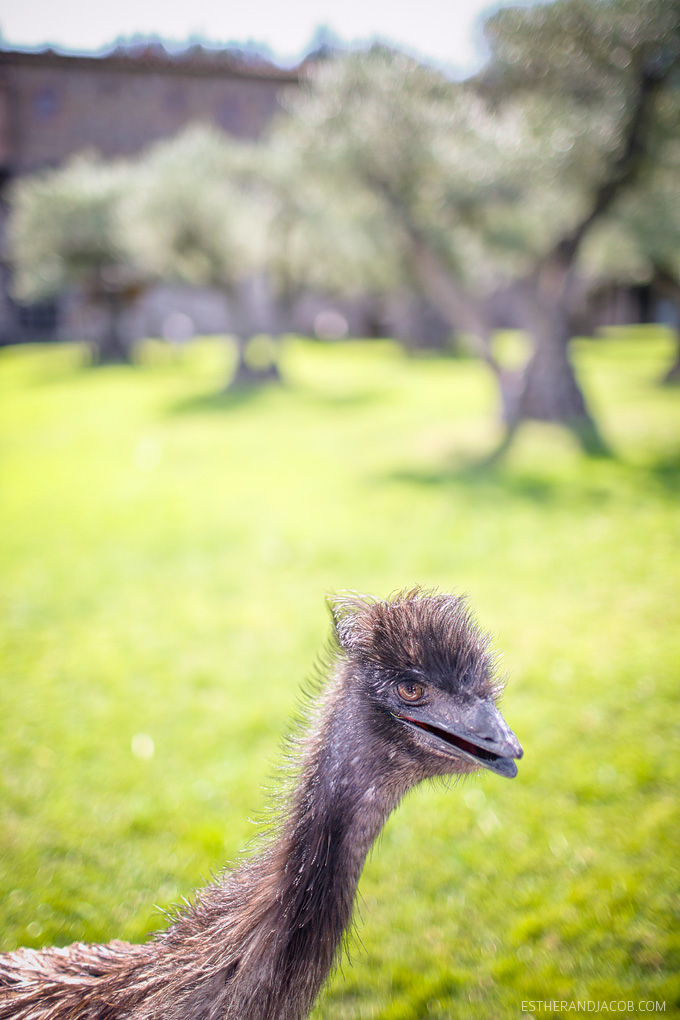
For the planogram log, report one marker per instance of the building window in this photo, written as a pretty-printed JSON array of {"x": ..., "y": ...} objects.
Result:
[
  {"x": 108, "y": 85},
  {"x": 45, "y": 103},
  {"x": 175, "y": 100},
  {"x": 38, "y": 319},
  {"x": 229, "y": 113}
]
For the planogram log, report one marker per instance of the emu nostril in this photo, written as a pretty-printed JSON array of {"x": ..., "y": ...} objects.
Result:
[{"x": 482, "y": 722}]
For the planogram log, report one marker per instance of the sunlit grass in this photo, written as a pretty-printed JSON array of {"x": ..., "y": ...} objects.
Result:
[{"x": 164, "y": 553}]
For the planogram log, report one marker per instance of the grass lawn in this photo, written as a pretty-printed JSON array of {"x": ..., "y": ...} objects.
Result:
[{"x": 164, "y": 554}]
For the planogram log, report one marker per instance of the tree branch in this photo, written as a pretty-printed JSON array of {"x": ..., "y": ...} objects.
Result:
[
  {"x": 435, "y": 278},
  {"x": 625, "y": 167}
]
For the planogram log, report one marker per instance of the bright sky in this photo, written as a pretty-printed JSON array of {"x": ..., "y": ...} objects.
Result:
[{"x": 443, "y": 31}]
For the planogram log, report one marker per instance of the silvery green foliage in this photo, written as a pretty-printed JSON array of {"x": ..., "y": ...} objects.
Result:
[
  {"x": 384, "y": 136},
  {"x": 190, "y": 214},
  {"x": 589, "y": 50},
  {"x": 642, "y": 235},
  {"x": 600, "y": 68},
  {"x": 65, "y": 228},
  {"x": 494, "y": 172},
  {"x": 396, "y": 145},
  {"x": 324, "y": 232}
]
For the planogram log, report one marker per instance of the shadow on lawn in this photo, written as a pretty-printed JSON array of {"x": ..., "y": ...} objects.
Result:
[
  {"x": 351, "y": 399},
  {"x": 227, "y": 400},
  {"x": 490, "y": 480},
  {"x": 219, "y": 400},
  {"x": 665, "y": 472}
]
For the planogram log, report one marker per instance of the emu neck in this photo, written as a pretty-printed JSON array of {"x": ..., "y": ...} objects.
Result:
[
  {"x": 340, "y": 806},
  {"x": 287, "y": 910},
  {"x": 349, "y": 785}
]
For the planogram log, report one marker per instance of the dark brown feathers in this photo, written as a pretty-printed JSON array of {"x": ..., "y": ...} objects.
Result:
[{"x": 420, "y": 630}]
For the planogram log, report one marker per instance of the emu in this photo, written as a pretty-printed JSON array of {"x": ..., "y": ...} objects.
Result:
[{"x": 410, "y": 694}]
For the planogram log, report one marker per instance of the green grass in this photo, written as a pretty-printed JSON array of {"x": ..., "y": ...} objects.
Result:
[{"x": 163, "y": 559}]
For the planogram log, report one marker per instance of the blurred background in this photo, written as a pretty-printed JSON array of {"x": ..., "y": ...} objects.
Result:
[{"x": 306, "y": 300}]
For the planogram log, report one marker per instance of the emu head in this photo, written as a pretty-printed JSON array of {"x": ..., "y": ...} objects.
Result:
[{"x": 426, "y": 673}]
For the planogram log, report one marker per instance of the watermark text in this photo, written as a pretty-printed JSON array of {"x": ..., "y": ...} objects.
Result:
[{"x": 625, "y": 1006}]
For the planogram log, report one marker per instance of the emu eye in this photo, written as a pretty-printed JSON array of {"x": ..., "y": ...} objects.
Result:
[{"x": 409, "y": 690}]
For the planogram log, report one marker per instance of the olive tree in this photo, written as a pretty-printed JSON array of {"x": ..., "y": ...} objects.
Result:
[
  {"x": 640, "y": 242},
  {"x": 499, "y": 180},
  {"x": 193, "y": 216},
  {"x": 616, "y": 66},
  {"x": 65, "y": 230}
]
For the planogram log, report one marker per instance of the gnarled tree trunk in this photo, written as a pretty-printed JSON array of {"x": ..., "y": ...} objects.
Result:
[
  {"x": 668, "y": 285},
  {"x": 249, "y": 373},
  {"x": 672, "y": 376},
  {"x": 112, "y": 348},
  {"x": 547, "y": 389},
  {"x": 253, "y": 367}
]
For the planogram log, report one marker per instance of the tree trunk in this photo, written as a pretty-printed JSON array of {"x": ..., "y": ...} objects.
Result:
[
  {"x": 547, "y": 389},
  {"x": 672, "y": 376},
  {"x": 460, "y": 310},
  {"x": 112, "y": 348},
  {"x": 256, "y": 360},
  {"x": 668, "y": 285},
  {"x": 249, "y": 373}
]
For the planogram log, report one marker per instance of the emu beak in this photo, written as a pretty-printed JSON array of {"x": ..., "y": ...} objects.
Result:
[{"x": 476, "y": 731}]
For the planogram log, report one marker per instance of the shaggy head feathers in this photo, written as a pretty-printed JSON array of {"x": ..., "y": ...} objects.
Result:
[{"x": 419, "y": 632}]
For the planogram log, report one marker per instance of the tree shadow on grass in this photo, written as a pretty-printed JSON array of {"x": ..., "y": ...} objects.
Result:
[
  {"x": 218, "y": 401},
  {"x": 350, "y": 400},
  {"x": 665, "y": 472},
  {"x": 229, "y": 399},
  {"x": 491, "y": 479},
  {"x": 485, "y": 479}
]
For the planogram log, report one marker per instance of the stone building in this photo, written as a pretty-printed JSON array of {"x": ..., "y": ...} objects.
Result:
[{"x": 53, "y": 105}]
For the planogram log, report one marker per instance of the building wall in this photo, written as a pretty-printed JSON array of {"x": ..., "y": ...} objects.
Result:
[{"x": 54, "y": 107}]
